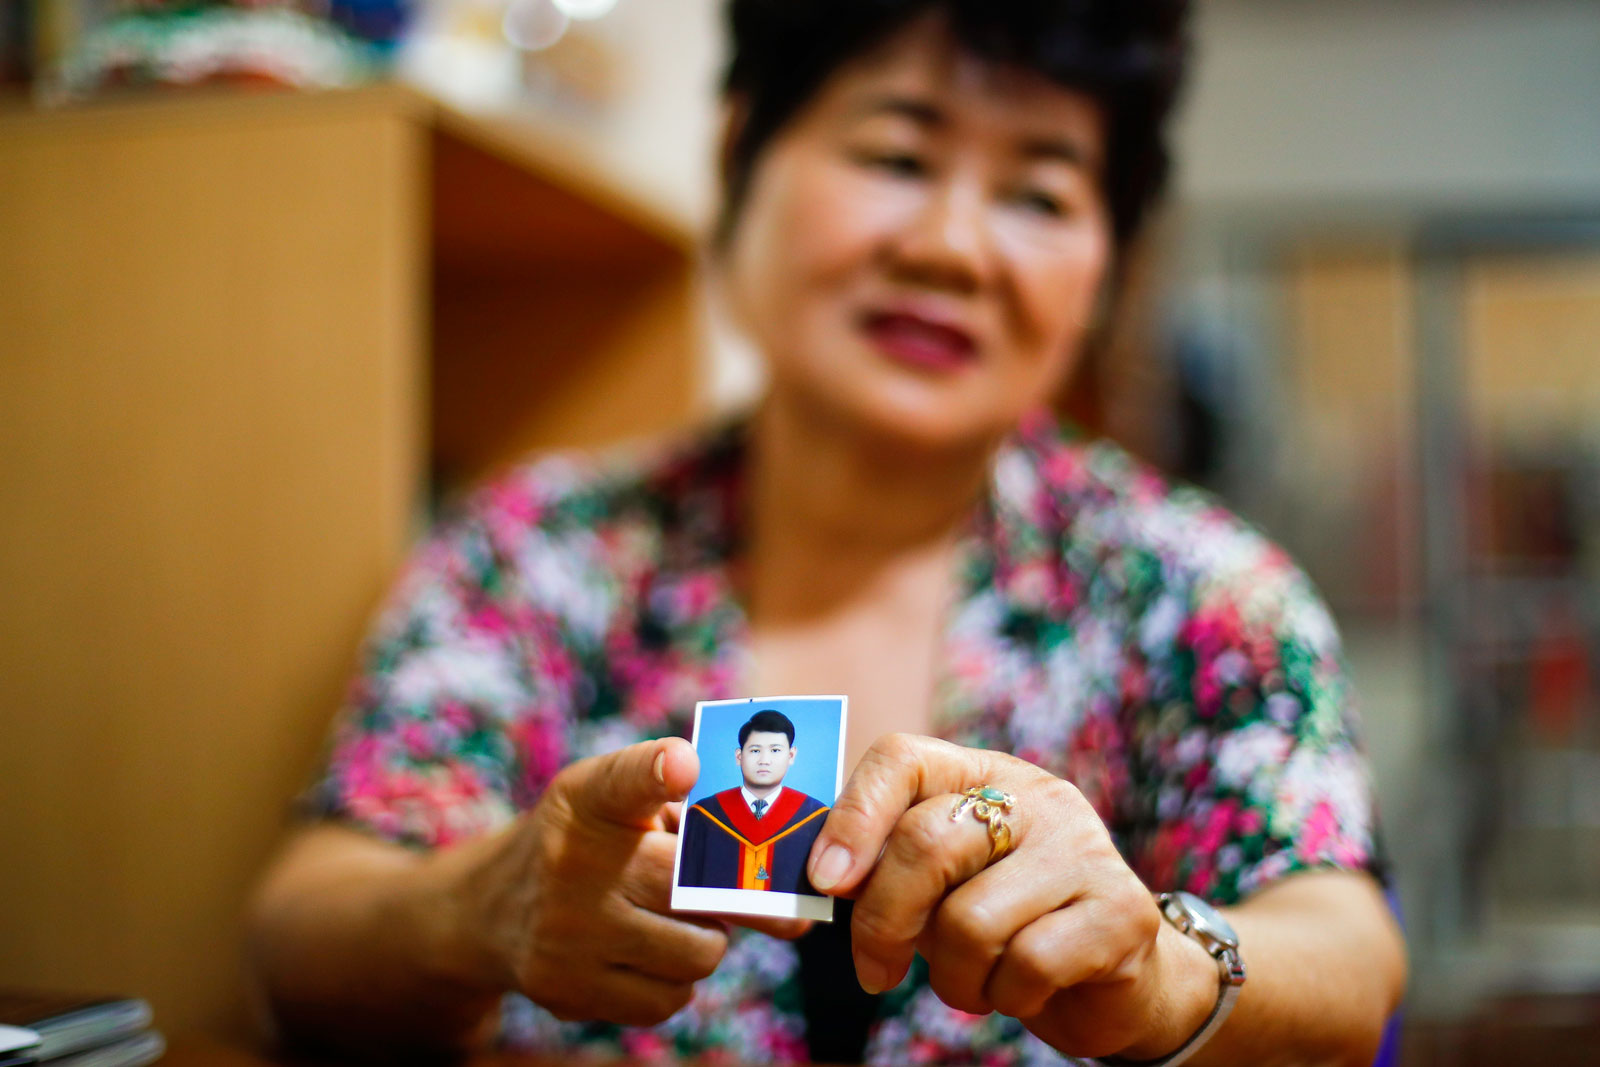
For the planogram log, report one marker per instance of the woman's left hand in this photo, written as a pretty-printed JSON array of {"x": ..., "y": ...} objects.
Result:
[{"x": 1059, "y": 933}]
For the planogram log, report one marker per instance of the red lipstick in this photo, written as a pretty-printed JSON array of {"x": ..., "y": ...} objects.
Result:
[{"x": 918, "y": 339}]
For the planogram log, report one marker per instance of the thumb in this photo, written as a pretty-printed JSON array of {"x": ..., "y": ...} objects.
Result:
[{"x": 629, "y": 786}]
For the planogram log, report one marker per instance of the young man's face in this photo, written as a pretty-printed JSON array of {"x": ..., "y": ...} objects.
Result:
[{"x": 765, "y": 759}]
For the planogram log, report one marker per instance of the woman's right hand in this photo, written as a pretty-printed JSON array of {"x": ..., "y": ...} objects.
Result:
[{"x": 572, "y": 902}]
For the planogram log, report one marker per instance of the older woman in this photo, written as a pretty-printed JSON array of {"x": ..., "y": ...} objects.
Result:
[{"x": 924, "y": 205}]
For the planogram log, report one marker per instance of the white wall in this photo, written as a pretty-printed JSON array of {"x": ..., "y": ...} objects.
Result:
[
  {"x": 660, "y": 134},
  {"x": 1439, "y": 101}
]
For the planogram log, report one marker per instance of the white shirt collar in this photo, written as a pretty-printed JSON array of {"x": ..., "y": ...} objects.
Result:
[{"x": 750, "y": 798}]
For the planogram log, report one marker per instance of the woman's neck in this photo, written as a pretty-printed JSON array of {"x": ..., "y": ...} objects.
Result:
[{"x": 831, "y": 516}]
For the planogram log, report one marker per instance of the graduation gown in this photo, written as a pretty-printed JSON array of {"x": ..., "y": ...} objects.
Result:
[{"x": 726, "y": 847}]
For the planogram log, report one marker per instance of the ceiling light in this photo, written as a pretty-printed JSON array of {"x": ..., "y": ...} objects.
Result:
[
  {"x": 585, "y": 9},
  {"x": 532, "y": 25}
]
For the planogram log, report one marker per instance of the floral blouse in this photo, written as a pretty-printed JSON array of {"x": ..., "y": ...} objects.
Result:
[{"x": 1130, "y": 636}]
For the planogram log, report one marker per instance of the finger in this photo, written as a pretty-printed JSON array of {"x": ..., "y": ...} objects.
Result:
[
  {"x": 927, "y": 853},
  {"x": 628, "y": 787},
  {"x": 1082, "y": 942},
  {"x": 783, "y": 929},
  {"x": 647, "y": 876},
  {"x": 977, "y": 920},
  {"x": 672, "y": 816},
  {"x": 626, "y": 997},
  {"x": 897, "y": 772},
  {"x": 670, "y": 948}
]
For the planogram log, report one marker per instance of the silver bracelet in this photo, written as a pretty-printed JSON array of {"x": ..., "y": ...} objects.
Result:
[{"x": 1198, "y": 920}]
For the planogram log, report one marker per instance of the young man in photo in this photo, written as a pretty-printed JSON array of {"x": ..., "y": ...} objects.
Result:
[{"x": 759, "y": 834}]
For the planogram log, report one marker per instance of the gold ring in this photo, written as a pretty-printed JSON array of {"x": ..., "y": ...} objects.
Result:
[{"x": 990, "y": 806}]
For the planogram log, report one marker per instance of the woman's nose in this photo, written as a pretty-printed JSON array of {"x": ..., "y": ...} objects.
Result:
[{"x": 946, "y": 244}]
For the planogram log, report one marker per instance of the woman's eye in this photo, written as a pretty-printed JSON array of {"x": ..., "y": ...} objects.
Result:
[
  {"x": 901, "y": 164},
  {"x": 1043, "y": 203}
]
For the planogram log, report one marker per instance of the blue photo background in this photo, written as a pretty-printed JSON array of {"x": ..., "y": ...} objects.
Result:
[{"x": 816, "y": 740}]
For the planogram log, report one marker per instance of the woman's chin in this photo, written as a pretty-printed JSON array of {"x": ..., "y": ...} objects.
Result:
[
  {"x": 925, "y": 421},
  {"x": 893, "y": 408}
]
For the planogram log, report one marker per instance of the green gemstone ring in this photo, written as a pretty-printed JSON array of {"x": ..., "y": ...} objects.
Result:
[{"x": 989, "y": 806}]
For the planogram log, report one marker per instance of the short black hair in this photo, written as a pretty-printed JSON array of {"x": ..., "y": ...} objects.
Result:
[
  {"x": 1130, "y": 56},
  {"x": 767, "y": 721}
]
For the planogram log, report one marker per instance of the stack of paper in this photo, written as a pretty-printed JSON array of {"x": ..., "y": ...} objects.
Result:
[{"x": 76, "y": 1031}]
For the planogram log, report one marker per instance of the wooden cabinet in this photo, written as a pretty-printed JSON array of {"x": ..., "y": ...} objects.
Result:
[{"x": 240, "y": 339}]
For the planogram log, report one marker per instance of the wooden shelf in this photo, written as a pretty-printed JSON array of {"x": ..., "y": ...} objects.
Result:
[{"x": 244, "y": 335}]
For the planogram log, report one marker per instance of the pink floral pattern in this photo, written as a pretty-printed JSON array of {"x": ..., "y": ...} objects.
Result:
[{"x": 1131, "y": 636}]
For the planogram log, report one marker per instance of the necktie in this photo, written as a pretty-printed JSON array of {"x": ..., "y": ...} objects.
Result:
[{"x": 761, "y": 807}]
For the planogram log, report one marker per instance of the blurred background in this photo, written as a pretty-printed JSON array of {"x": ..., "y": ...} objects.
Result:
[{"x": 277, "y": 277}]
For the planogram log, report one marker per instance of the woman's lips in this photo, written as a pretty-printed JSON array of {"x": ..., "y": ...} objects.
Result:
[{"x": 919, "y": 342}]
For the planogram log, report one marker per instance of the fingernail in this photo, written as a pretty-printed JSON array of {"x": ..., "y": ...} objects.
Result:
[
  {"x": 873, "y": 976},
  {"x": 831, "y": 867},
  {"x": 659, "y": 768}
]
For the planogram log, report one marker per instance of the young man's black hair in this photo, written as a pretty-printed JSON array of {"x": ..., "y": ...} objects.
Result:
[{"x": 767, "y": 721}]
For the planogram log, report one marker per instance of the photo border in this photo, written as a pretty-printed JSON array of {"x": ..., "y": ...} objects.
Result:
[{"x": 759, "y": 901}]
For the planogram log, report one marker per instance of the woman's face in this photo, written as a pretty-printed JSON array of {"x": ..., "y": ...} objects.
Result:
[{"x": 922, "y": 246}]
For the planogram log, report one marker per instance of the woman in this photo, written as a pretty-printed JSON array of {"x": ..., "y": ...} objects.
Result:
[{"x": 924, "y": 205}]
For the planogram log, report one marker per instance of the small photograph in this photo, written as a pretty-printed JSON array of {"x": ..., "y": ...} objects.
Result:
[{"x": 770, "y": 768}]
